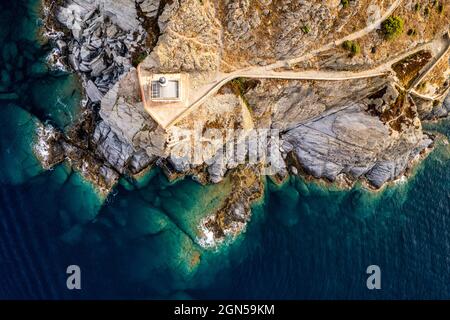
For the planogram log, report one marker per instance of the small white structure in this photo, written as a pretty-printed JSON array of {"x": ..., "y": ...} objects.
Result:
[
  {"x": 166, "y": 88},
  {"x": 165, "y": 95}
]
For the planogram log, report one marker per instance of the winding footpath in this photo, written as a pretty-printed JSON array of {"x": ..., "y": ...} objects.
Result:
[{"x": 267, "y": 72}]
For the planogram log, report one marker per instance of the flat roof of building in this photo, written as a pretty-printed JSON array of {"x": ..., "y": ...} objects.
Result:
[
  {"x": 168, "y": 90},
  {"x": 167, "y": 102}
]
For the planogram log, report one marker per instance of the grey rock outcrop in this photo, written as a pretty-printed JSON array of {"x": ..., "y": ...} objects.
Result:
[
  {"x": 352, "y": 142},
  {"x": 388, "y": 170},
  {"x": 217, "y": 169},
  {"x": 291, "y": 102},
  {"x": 119, "y": 154},
  {"x": 441, "y": 110},
  {"x": 149, "y": 7},
  {"x": 122, "y": 12},
  {"x": 180, "y": 164},
  {"x": 111, "y": 147},
  {"x": 105, "y": 34},
  {"x": 128, "y": 120},
  {"x": 139, "y": 161},
  {"x": 92, "y": 92}
]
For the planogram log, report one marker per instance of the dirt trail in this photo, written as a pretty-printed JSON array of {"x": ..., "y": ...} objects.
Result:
[{"x": 267, "y": 72}]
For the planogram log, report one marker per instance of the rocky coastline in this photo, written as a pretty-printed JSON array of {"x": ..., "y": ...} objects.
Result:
[
  {"x": 358, "y": 130},
  {"x": 99, "y": 45}
]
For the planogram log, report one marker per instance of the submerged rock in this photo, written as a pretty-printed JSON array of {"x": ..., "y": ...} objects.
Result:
[{"x": 18, "y": 131}]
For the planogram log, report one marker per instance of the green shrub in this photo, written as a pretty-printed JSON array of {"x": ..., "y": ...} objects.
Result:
[
  {"x": 352, "y": 46},
  {"x": 239, "y": 84},
  {"x": 417, "y": 7},
  {"x": 347, "y": 45},
  {"x": 306, "y": 29},
  {"x": 392, "y": 27},
  {"x": 356, "y": 48},
  {"x": 138, "y": 58},
  {"x": 345, "y": 3}
]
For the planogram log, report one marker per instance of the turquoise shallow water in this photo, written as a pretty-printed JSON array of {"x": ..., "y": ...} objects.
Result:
[{"x": 304, "y": 240}]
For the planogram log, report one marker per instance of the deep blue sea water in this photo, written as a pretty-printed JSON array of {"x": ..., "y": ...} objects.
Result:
[{"x": 305, "y": 240}]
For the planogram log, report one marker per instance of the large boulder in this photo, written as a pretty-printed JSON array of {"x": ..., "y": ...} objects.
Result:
[{"x": 350, "y": 141}]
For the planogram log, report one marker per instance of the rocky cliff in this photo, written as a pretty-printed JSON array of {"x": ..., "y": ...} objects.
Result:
[{"x": 356, "y": 128}]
